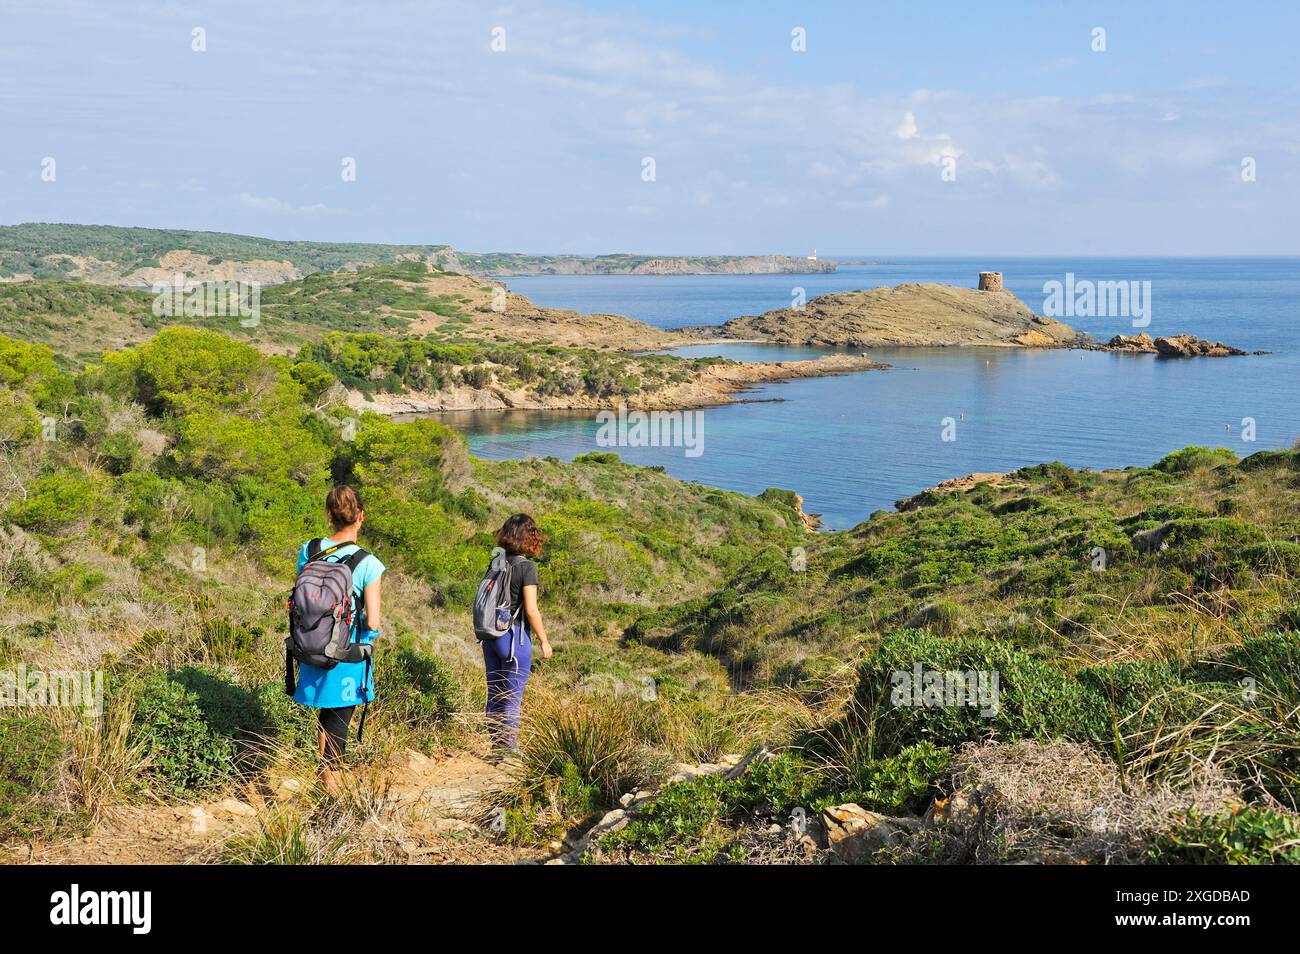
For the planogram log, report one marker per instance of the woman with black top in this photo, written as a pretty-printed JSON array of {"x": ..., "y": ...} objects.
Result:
[{"x": 507, "y": 658}]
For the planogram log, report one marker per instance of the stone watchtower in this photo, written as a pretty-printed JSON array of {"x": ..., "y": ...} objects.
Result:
[{"x": 990, "y": 281}]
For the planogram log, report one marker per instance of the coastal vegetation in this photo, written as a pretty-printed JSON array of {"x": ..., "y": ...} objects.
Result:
[
  {"x": 1129, "y": 639},
  {"x": 373, "y": 362},
  {"x": 114, "y": 255},
  {"x": 408, "y": 331},
  {"x": 29, "y": 248}
]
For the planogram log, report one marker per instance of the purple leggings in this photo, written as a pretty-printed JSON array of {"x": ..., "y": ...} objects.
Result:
[{"x": 506, "y": 679}]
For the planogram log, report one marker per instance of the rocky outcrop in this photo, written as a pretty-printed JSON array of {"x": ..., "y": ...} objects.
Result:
[
  {"x": 1190, "y": 346},
  {"x": 1174, "y": 346},
  {"x": 203, "y": 268},
  {"x": 907, "y": 315},
  {"x": 854, "y": 835},
  {"x": 1136, "y": 344},
  {"x": 952, "y": 485}
]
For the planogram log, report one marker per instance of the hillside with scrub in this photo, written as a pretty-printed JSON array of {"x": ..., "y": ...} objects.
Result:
[
  {"x": 137, "y": 257},
  {"x": 133, "y": 257},
  {"x": 407, "y": 299},
  {"x": 725, "y": 682},
  {"x": 408, "y": 338}
]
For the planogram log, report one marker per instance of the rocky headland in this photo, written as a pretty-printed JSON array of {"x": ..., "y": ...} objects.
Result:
[
  {"x": 931, "y": 315},
  {"x": 909, "y": 315}
]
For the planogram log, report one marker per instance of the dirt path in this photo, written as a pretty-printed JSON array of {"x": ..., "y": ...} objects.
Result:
[
  {"x": 444, "y": 801},
  {"x": 436, "y": 804}
]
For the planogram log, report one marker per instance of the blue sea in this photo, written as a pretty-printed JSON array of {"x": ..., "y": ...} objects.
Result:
[{"x": 856, "y": 443}]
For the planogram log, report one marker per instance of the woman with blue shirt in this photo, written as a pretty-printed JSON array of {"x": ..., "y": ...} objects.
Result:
[{"x": 337, "y": 692}]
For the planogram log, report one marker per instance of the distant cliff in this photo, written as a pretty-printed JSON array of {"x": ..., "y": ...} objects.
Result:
[
  {"x": 508, "y": 264},
  {"x": 136, "y": 258}
]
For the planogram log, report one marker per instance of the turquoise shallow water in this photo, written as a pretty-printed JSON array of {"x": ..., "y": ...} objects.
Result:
[{"x": 856, "y": 443}]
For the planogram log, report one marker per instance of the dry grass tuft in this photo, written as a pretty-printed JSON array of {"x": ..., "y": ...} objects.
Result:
[{"x": 1060, "y": 801}]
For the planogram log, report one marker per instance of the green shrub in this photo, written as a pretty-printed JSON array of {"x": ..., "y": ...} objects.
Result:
[
  {"x": 776, "y": 787},
  {"x": 1245, "y": 836},
  {"x": 903, "y": 783},
  {"x": 188, "y": 370},
  {"x": 228, "y": 446},
  {"x": 20, "y": 422},
  {"x": 56, "y": 500},
  {"x": 1211, "y": 549},
  {"x": 31, "y": 751},
  {"x": 1133, "y": 703},
  {"x": 22, "y": 362},
  {"x": 942, "y": 618},
  {"x": 1034, "y": 699},
  {"x": 415, "y": 691},
  {"x": 675, "y": 823},
  {"x": 198, "y": 729},
  {"x": 404, "y": 458},
  {"x": 1280, "y": 556},
  {"x": 1194, "y": 458},
  {"x": 285, "y": 720},
  {"x": 676, "y": 820},
  {"x": 119, "y": 451},
  {"x": 598, "y": 457},
  {"x": 1262, "y": 460}
]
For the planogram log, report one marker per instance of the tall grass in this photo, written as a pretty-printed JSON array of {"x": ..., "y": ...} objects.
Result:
[
  {"x": 104, "y": 765},
  {"x": 364, "y": 825}
]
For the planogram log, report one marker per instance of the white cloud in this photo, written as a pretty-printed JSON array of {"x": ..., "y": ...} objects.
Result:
[
  {"x": 262, "y": 203},
  {"x": 532, "y": 148}
]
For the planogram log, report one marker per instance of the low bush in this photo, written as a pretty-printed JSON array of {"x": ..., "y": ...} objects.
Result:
[
  {"x": 1245, "y": 836},
  {"x": 1030, "y": 698},
  {"x": 416, "y": 691},
  {"x": 579, "y": 757},
  {"x": 1194, "y": 458},
  {"x": 200, "y": 730},
  {"x": 902, "y": 783},
  {"x": 31, "y": 752},
  {"x": 56, "y": 500}
]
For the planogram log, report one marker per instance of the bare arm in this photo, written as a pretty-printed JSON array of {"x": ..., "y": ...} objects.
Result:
[
  {"x": 374, "y": 614},
  {"x": 535, "y": 624}
]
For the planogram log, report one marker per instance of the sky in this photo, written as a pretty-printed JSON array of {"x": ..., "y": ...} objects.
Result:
[{"x": 873, "y": 128}]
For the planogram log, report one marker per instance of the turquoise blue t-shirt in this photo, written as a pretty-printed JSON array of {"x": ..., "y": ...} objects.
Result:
[{"x": 342, "y": 685}]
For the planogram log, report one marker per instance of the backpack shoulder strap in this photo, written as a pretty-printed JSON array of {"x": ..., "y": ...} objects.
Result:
[
  {"x": 353, "y": 560},
  {"x": 314, "y": 551}
]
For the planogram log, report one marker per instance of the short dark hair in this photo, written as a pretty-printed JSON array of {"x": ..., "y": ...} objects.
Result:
[{"x": 519, "y": 535}]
